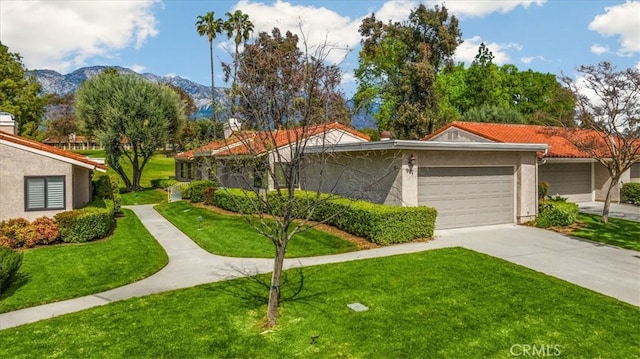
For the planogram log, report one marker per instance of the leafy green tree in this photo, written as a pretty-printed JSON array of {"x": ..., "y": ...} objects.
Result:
[
  {"x": 128, "y": 111},
  {"x": 207, "y": 25},
  {"x": 20, "y": 94},
  {"x": 485, "y": 82},
  {"x": 398, "y": 66},
  {"x": 494, "y": 114},
  {"x": 61, "y": 119}
]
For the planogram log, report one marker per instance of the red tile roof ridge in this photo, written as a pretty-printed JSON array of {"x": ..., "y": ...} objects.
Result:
[{"x": 50, "y": 149}]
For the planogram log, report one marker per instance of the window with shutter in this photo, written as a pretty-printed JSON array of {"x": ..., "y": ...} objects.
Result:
[{"x": 44, "y": 193}]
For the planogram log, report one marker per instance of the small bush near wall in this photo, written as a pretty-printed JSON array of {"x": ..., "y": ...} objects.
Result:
[
  {"x": 631, "y": 193},
  {"x": 10, "y": 262},
  {"x": 91, "y": 222},
  {"x": 556, "y": 213},
  {"x": 13, "y": 230},
  {"x": 18, "y": 232},
  {"x": 163, "y": 182},
  {"x": 378, "y": 223},
  {"x": 196, "y": 190},
  {"x": 107, "y": 187}
]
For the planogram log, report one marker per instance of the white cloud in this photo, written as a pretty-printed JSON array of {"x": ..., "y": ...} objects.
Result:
[
  {"x": 468, "y": 50},
  {"x": 529, "y": 59},
  {"x": 621, "y": 20},
  {"x": 75, "y": 30},
  {"x": 599, "y": 49},
  {"x": 347, "y": 78},
  {"x": 315, "y": 24},
  {"x": 475, "y": 8},
  {"x": 137, "y": 68}
]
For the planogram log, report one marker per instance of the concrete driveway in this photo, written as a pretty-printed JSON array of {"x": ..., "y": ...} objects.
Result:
[
  {"x": 616, "y": 210},
  {"x": 609, "y": 270}
]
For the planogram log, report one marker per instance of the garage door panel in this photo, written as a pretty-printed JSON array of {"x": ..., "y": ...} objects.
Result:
[
  {"x": 571, "y": 180},
  {"x": 467, "y": 196}
]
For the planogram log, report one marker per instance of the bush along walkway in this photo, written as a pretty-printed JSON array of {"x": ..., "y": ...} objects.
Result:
[{"x": 541, "y": 250}]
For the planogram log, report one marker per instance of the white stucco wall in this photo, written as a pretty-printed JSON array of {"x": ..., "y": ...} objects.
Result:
[
  {"x": 15, "y": 164},
  {"x": 601, "y": 182}
]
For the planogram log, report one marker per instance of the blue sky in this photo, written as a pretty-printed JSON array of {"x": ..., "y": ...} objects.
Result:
[{"x": 159, "y": 36}]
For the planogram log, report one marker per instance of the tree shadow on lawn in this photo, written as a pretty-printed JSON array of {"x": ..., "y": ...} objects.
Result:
[
  {"x": 18, "y": 281},
  {"x": 620, "y": 233},
  {"x": 253, "y": 289}
]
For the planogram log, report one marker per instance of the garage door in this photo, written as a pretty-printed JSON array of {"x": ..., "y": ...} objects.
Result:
[
  {"x": 468, "y": 196},
  {"x": 571, "y": 180}
]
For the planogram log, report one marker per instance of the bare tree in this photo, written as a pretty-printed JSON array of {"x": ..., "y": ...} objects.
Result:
[
  {"x": 289, "y": 101},
  {"x": 608, "y": 113}
]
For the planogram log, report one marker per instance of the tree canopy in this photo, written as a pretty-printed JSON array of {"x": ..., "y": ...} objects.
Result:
[
  {"x": 20, "y": 94},
  {"x": 398, "y": 66},
  {"x": 128, "y": 111}
]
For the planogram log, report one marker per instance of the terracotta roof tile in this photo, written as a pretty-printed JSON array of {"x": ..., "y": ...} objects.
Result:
[
  {"x": 561, "y": 140},
  {"x": 256, "y": 143},
  {"x": 50, "y": 149}
]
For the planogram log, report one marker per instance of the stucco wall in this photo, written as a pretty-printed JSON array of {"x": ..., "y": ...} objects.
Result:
[
  {"x": 82, "y": 191},
  {"x": 458, "y": 135},
  {"x": 601, "y": 182},
  {"x": 374, "y": 176},
  {"x": 15, "y": 164},
  {"x": 386, "y": 177}
]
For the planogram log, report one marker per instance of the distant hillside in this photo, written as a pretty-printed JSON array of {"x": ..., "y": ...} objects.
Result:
[{"x": 54, "y": 82}]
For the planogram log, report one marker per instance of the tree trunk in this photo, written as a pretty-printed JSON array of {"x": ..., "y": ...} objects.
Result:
[
  {"x": 607, "y": 200},
  {"x": 274, "y": 292},
  {"x": 213, "y": 88}
]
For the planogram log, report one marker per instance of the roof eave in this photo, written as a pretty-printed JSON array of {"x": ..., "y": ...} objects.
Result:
[{"x": 428, "y": 145}]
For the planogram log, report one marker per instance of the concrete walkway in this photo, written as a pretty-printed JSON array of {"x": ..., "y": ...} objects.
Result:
[
  {"x": 616, "y": 210},
  {"x": 611, "y": 271}
]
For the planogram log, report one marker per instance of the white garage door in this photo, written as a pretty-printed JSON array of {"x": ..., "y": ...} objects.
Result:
[
  {"x": 468, "y": 196},
  {"x": 571, "y": 180}
]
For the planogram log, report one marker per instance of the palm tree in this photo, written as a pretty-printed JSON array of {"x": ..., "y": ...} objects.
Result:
[
  {"x": 240, "y": 28},
  {"x": 209, "y": 26}
]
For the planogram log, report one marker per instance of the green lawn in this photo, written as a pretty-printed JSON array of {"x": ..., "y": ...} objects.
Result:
[
  {"x": 159, "y": 166},
  {"x": 232, "y": 236},
  {"x": 451, "y": 303},
  {"x": 54, "y": 273},
  {"x": 618, "y": 232}
]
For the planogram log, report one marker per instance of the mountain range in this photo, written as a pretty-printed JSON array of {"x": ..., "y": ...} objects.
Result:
[{"x": 55, "y": 83}]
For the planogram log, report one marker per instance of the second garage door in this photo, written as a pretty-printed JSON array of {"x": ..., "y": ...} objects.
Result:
[
  {"x": 468, "y": 196},
  {"x": 571, "y": 180}
]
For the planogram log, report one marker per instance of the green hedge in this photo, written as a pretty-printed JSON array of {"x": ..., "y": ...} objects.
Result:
[
  {"x": 378, "y": 223},
  {"x": 163, "y": 182},
  {"x": 631, "y": 193},
  {"x": 556, "y": 213},
  {"x": 10, "y": 263},
  {"x": 91, "y": 222},
  {"x": 196, "y": 189},
  {"x": 106, "y": 186}
]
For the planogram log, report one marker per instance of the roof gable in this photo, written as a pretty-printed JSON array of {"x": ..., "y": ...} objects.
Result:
[
  {"x": 50, "y": 151},
  {"x": 556, "y": 137}
]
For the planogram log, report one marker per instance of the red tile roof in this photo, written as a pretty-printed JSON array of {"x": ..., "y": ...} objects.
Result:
[
  {"x": 51, "y": 150},
  {"x": 255, "y": 143},
  {"x": 562, "y": 141}
]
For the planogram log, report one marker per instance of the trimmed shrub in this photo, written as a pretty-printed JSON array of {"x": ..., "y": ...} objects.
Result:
[
  {"x": 208, "y": 196},
  {"x": 15, "y": 229},
  {"x": 42, "y": 231},
  {"x": 108, "y": 187},
  {"x": 378, "y": 223},
  {"x": 163, "y": 182},
  {"x": 631, "y": 193},
  {"x": 556, "y": 213},
  {"x": 10, "y": 262},
  {"x": 7, "y": 242},
  {"x": 196, "y": 190},
  {"x": 91, "y": 222}
]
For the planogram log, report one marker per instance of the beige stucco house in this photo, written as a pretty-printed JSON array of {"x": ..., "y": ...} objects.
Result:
[
  {"x": 240, "y": 160},
  {"x": 470, "y": 184},
  {"x": 570, "y": 171},
  {"x": 39, "y": 180}
]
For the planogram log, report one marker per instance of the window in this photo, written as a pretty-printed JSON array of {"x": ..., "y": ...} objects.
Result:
[
  {"x": 43, "y": 193},
  {"x": 282, "y": 173}
]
